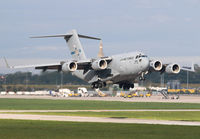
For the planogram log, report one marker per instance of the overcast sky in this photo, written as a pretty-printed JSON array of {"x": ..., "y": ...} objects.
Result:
[{"x": 158, "y": 28}]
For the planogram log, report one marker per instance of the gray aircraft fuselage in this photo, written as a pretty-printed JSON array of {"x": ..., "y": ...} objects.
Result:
[{"x": 123, "y": 68}]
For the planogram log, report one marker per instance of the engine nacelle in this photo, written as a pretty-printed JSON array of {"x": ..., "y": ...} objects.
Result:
[
  {"x": 99, "y": 64},
  {"x": 156, "y": 65},
  {"x": 69, "y": 67},
  {"x": 173, "y": 68}
]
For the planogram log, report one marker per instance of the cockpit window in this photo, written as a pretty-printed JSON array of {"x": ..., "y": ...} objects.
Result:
[
  {"x": 140, "y": 55},
  {"x": 143, "y": 56}
]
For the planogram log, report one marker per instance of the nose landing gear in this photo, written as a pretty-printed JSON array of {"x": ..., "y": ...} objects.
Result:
[{"x": 141, "y": 78}]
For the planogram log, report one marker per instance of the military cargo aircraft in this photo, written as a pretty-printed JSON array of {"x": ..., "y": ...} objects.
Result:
[{"x": 122, "y": 69}]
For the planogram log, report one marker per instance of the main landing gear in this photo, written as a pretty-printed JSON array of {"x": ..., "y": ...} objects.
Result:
[
  {"x": 126, "y": 86},
  {"x": 98, "y": 85},
  {"x": 142, "y": 78}
]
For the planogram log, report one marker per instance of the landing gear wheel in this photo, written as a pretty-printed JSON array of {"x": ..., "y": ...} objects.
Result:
[
  {"x": 120, "y": 85},
  {"x": 124, "y": 87},
  {"x": 96, "y": 85},
  {"x": 100, "y": 85},
  {"x": 132, "y": 85},
  {"x": 93, "y": 86},
  {"x": 127, "y": 86},
  {"x": 104, "y": 84}
]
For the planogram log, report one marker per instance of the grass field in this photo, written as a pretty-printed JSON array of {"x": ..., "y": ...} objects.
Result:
[
  {"x": 21, "y": 129},
  {"x": 45, "y": 104},
  {"x": 156, "y": 115}
]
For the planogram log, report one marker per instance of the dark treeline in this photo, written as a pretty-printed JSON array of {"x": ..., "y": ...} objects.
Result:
[
  {"x": 182, "y": 77},
  {"x": 55, "y": 78}
]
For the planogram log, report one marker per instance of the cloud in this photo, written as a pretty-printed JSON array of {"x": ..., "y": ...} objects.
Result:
[
  {"x": 161, "y": 18},
  {"x": 45, "y": 48},
  {"x": 152, "y": 4},
  {"x": 162, "y": 26},
  {"x": 193, "y": 2},
  {"x": 187, "y": 19}
]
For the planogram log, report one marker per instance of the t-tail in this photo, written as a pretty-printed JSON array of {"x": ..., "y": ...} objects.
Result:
[{"x": 74, "y": 44}]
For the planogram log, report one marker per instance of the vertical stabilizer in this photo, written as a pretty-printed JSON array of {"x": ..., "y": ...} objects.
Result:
[
  {"x": 75, "y": 47},
  {"x": 74, "y": 44}
]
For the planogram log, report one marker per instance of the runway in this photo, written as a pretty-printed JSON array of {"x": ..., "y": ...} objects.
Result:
[
  {"x": 154, "y": 98},
  {"x": 95, "y": 119}
]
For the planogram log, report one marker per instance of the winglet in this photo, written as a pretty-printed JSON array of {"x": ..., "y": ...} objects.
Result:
[
  {"x": 193, "y": 70},
  {"x": 7, "y": 65},
  {"x": 188, "y": 68}
]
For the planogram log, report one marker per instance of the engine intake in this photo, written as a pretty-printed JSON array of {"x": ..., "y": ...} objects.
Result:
[
  {"x": 69, "y": 67},
  {"x": 99, "y": 64},
  {"x": 173, "y": 68},
  {"x": 156, "y": 65}
]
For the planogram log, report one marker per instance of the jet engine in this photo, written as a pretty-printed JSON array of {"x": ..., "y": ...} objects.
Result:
[
  {"x": 99, "y": 64},
  {"x": 156, "y": 65},
  {"x": 69, "y": 66},
  {"x": 173, "y": 68}
]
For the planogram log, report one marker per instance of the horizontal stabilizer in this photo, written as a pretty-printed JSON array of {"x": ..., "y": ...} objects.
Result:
[
  {"x": 67, "y": 36},
  {"x": 88, "y": 37}
]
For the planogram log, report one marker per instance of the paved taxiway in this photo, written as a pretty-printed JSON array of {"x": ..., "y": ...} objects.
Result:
[
  {"x": 95, "y": 119},
  {"x": 154, "y": 98}
]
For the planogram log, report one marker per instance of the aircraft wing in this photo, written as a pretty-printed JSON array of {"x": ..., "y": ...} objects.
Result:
[
  {"x": 81, "y": 65},
  {"x": 44, "y": 67},
  {"x": 52, "y": 66},
  {"x": 159, "y": 66},
  {"x": 183, "y": 67}
]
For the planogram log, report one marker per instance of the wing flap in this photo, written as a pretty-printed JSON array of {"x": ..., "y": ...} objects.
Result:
[
  {"x": 44, "y": 67},
  {"x": 53, "y": 67}
]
